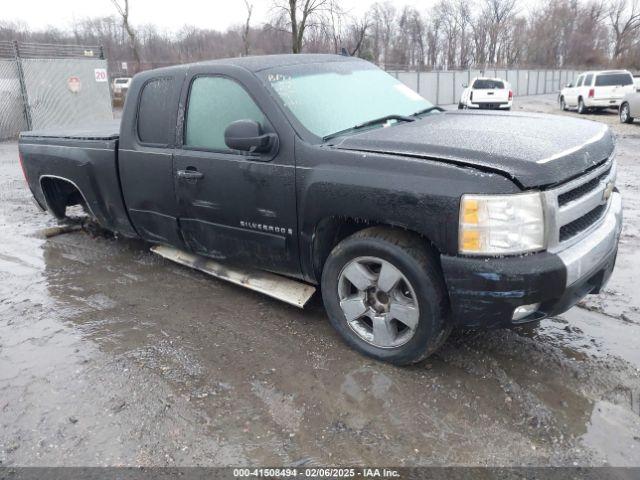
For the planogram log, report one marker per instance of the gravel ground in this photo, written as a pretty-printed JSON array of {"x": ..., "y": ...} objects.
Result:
[{"x": 110, "y": 355}]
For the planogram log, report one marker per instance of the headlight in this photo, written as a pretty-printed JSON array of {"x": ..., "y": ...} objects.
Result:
[{"x": 501, "y": 224}]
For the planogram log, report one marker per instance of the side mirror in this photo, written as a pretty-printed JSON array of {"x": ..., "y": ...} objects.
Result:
[
  {"x": 569, "y": 85},
  {"x": 464, "y": 85},
  {"x": 247, "y": 136}
]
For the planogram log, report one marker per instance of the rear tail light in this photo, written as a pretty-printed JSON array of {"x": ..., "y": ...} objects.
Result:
[
  {"x": 24, "y": 172},
  {"x": 592, "y": 92},
  {"x": 510, "y": 95}
]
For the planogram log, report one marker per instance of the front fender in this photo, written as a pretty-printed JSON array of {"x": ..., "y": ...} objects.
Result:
[{"x": 418, "y": 195}]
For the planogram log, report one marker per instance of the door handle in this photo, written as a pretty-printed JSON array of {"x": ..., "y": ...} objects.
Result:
[{"x": 190, "y": 174}]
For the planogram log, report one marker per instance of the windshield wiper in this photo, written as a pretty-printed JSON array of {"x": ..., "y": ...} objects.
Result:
[
  {"x": 386, "y": 118},
  {"x": 368, "y": 123},
  {"x": 427, "y": 110}
]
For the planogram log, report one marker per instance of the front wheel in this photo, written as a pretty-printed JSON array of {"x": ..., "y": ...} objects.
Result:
[
  {"x": 563, "y": 104},
  {"x": 384, "y": 293},
  {"x": 625, "y": 113}
]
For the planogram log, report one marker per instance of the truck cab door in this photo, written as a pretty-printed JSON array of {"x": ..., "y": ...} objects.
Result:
[
  {"x": 235, "y": 206},
  {"x": 145, "y": 156}
]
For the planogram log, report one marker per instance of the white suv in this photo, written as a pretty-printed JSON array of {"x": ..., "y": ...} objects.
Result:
[
  {"x": 596, "y": 90},
  {"x": 120, "y": 88}
]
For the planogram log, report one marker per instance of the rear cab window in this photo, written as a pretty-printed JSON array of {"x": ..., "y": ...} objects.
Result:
[
  {"x": 214, "y": 103},
  {"x": 155, "y": 124},
  {"x": 614, "y": 79},
  {"x": 488, "y": 85}
]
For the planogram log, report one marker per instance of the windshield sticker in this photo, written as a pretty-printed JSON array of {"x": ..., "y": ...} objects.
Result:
[
  {"x": 283, "y": 85},
  {"x": 407, "y": 92}
]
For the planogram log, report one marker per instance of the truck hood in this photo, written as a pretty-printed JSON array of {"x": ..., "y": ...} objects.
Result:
[{"x": 534, "y": 150}]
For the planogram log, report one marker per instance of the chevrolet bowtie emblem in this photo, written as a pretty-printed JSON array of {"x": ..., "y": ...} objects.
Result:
[{"x": 608, "y": 190}]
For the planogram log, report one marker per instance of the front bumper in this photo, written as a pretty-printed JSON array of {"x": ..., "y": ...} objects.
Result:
[{"x": 485, "y": 292}]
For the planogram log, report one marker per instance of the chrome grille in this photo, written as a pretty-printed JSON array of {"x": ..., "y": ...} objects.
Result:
[
  {"x": 582, "y": 190},
  {"x": 581, "y": 224},
  {"x": 577, "y": 207}
]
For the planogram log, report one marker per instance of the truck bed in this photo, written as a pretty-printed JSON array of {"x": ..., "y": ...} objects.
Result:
[
  {"x": 57, "y": 161},
  {"x": 99, "y": 131}
]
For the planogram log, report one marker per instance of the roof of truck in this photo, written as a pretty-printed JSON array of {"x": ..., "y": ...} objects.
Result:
[
  {"x": 258, "y": 63},
  {"x": 264, "y": 62}
]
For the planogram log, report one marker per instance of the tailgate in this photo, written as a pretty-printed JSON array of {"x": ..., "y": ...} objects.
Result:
[
  {"x": 493, "y": 96},
  {"x": 614, "y": 92}
]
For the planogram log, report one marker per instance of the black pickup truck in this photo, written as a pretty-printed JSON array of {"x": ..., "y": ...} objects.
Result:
[{"x": 326, "y": 171}]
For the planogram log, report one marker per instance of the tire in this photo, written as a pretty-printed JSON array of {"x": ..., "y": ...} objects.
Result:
[
  {"x": 625, "y": 113},
  {"x": 563, "y": 104},
  {"x": 582, "y": 109},
  {"x": 419, "y": 295},
  {"x": 460, "y": 106}
]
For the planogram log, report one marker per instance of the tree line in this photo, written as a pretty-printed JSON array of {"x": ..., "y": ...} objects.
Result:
[{"x": 451, "y": 34}]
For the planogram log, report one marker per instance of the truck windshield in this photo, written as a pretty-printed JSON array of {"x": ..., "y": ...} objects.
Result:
[
  {"x": 333, "y": 97},
  {"x": 613, "y": 79},
  {"x": 483, "y": 84}
]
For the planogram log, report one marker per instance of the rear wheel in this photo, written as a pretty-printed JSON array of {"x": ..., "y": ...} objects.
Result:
[
  {"x": 625, "y": 113},
  {"x": 384, "y": 293},
  {"x": 582, "y": 109}
]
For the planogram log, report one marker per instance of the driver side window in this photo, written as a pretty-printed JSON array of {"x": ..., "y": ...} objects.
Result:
[
  {"x": 580, "y": 79},
  {"x": 214, "y": 103}
]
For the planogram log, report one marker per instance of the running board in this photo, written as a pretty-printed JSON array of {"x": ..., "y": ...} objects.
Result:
[{"x": 290, "y": 291}]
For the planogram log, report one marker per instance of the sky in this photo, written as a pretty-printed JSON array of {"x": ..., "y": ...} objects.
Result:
[{"x": 167, "y": 14}]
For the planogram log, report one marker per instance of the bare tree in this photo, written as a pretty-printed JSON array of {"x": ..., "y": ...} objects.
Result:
[
  {"x": 624, "y": 18},
  {"x": 384, "y": 18},
  {"x": 358, "y": 33},
  {"x": 558, "y": 33},
  {"x": 463, "y": 19},
  {"x": 497, "y": 14},
  {"x": 247, "y": 27},
  {"x": 300, "y": 15},
  {"x": 123, "y": 11}
]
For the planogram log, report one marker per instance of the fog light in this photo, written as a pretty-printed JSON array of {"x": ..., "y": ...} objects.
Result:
[{"x": 523, "y": 311}]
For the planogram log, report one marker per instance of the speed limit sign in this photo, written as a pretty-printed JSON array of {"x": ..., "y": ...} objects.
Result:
[{"x": 100, "y": 74}]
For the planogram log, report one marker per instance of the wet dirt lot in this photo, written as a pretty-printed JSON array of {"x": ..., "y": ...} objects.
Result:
[{"x": 110, "y": 355}]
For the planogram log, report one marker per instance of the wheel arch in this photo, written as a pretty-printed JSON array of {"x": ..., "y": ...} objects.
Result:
[
  {"x": 332, "y": 230},
  {"x": 60, "y": 193}
]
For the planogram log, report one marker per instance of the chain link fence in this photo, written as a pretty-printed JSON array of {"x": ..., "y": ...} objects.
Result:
[
  {"x": 445, "y": 87},
  {"x": 45, "y": 85},
  {"x": 12, "y": 119}
]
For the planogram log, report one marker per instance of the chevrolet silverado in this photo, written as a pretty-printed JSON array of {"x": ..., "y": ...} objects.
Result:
[{"x": 324, "y": 171}]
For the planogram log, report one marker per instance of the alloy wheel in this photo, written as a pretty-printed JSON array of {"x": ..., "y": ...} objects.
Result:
[
  {"x": 378, "y": 302},
  {"x": 624, "y": 113}
]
